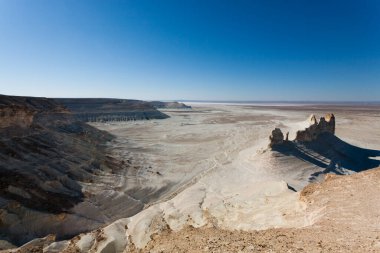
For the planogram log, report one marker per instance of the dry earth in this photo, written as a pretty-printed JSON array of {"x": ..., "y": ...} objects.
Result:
[{"x": 349, "y": 222}]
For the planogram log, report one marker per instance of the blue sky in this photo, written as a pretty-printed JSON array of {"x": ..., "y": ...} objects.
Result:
[{"x": 194, "y": 50}]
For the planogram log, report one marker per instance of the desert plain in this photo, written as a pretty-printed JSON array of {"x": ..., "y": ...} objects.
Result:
[{"x": 205, "y": 180}]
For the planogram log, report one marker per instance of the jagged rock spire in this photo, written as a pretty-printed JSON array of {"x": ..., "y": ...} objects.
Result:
[
  {"x": 276, "y": 138},
  {"x": 325, "y": 125}
]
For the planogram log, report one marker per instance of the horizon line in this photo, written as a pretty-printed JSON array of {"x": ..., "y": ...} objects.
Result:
[{"x": 212, "y": 100}]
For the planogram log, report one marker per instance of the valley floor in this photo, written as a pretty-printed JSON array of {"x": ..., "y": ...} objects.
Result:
[{"x": 207, "y": 182}]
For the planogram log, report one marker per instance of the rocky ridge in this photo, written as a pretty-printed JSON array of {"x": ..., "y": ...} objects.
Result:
[
  {"x": 58, "y": 175},
  {"x": 105, "y": 109},
  {"x": 45, "y": 154}
]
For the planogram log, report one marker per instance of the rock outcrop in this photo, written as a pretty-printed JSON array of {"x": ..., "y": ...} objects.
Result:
[
  {"x": 319, "y": 150},
  {"x": 45, "y": 158},
  {"x": 276, "y": 138},
  {"x": 20, "y": 111},
  {"x": 326, "y": 125},
  {"x": 16, "y": 116}
]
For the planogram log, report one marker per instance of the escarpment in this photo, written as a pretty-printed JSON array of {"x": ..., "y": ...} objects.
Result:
[
  {"x": 21, "y": 111},
  {"x": 16, "y": 116},
  {"x": 58, "y": 175},
  {"x": 105, "y": 109},
  {"x": 45, "y": 157}
]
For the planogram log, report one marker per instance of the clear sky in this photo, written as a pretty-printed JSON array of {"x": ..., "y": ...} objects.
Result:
[{"x": 195, "y": 50}]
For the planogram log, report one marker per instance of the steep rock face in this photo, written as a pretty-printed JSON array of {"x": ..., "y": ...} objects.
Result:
[
  {"x": 20, "y": 111},
  {"x": 16, "y": 116},
  {"x": 44, "y": 156},
  {"x": 104, "y": 109},
  {"x": 325, "y": 125}
]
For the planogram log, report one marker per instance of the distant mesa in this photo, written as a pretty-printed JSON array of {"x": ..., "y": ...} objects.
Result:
[
  {"x": 325, "y": 125},
  {"x": 169, "y": 105},
  {"x": 107, "y": 109}
]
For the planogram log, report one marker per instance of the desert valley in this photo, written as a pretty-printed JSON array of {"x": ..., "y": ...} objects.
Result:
[
  {"x": 210, "y": 177},
  {"x": 189, "y": 126}
]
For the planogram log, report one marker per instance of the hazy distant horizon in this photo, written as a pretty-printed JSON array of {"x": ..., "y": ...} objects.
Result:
[
  {"x": 210, "y": 101},
  {"x": 277, "y": 101}
]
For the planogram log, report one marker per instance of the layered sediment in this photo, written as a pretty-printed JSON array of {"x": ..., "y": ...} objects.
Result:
[
  {"x": 104, "y": 110},
  {"x": 58, "y": 175},
  {"x": 44, "y": 156}
]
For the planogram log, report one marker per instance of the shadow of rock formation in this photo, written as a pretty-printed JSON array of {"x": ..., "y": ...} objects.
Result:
[
  {"x": 318, "y": 145},
  {"x": 331, "y": 153}
]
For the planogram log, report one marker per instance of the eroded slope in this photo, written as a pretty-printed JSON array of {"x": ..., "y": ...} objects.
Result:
[{"x": 349, "y": 222}]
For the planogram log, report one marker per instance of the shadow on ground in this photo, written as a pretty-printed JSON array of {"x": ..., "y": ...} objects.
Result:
[{"x": 332, "y": 154}]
